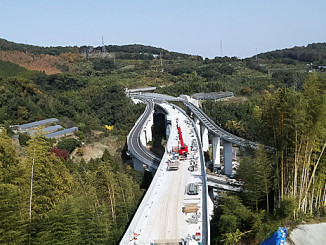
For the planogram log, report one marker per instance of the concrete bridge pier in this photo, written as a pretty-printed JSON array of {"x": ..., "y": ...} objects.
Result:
[
  {"x": 204, "y": 137},
  {"x": 211, "y": 193},
  {"x": 227, "y": 149},
  {"x": 143, "y": 137},
  {"x": 197, "y": 123},
  {"x": 148, "y": 128},
  {"x": 138, "y": 165},
  {"x": 216, "y": 147}
]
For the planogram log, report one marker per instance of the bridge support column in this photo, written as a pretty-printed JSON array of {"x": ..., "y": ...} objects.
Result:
[
  {"x": 235, "y": 152},
  {"x": 227, "y": 148},
  {"x": 143, "y": 137},
  {"x": 204, "y": 138},
  {"x": 138, "y": 165},
  {"x": 197, "y": 123},
  {"x": 149, "y": 131},
  {"x": 216, "y": 145},
  {"x": 211, "y": 193}
]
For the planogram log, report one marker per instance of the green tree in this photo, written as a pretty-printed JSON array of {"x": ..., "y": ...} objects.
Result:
[
  {"x": 23, "y": 138},
  {"x": 60, "y": 226},
  {"x": 230, "y": 215},
  {"x": 12, "y": 229},
  {"x": 68, "y": 144},
  {"x": 8, "y": 159},
  {"x": 51, "y": 179},
  {"x": 257, "y": 174}
]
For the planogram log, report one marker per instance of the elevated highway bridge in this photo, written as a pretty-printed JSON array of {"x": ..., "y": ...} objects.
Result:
[
  {"x": 168, "y": 214},
  {"x": 160, "y": 218}
]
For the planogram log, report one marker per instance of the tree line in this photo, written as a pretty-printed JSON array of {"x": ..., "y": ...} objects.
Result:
[
  {"x": 81, "y": 203},
  {"x": 289, "y": 185}
]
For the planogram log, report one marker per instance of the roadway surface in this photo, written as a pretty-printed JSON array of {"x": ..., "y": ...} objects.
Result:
[
  {"x": 160, "y": 217},
  {"x": 146, "y": 156},
  {"x": 207, "y": 121},
  {"x": 216, "y": 130},
  {"x": 135, "y": 147}
]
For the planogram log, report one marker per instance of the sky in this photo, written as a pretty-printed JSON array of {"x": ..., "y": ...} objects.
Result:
[{"x": 198, "y": 27}]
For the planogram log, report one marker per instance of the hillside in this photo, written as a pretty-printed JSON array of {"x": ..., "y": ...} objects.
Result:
[
  {"x": 53, "y": 60},
  {"x": 12, "y": 46},
  {"x": 312, "y": 53},
  {"x": 10, "y": 69},
  {"x": 277, "y": 102}
]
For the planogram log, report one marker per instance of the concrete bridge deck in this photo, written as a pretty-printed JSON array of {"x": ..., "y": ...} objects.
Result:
[{"x": 161, "y": 216}]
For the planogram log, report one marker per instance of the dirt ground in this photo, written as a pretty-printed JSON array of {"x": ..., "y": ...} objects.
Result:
[{"x": 96, "y": 149}]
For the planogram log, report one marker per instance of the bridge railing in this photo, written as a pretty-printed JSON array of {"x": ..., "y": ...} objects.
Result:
[
  {"x": 205, "y": 225},
  {"x": 218, "y": 130},
  {"x": 151, "y": 159}
]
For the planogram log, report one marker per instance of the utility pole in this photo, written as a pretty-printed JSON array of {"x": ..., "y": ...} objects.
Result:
[{"x": 256, "y": 55}]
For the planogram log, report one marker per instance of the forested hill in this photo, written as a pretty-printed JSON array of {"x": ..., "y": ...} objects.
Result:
[
  {"x": 128, "y": 49},
  {"x": 312, "y": 53},
  {"x": 278, "y": 102},
  {"x": 12, "y": 46}
]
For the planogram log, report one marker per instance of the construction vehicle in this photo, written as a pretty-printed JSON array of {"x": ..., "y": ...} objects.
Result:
[
  {"x": 192, "y": 189},
  {"x": 190, "y": 208},
  {"x": 183, "y": 150},
  {"x": 173, "y": 165}
]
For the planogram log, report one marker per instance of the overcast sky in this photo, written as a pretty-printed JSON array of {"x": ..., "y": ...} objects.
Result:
[{"x": 188, "y": 26}]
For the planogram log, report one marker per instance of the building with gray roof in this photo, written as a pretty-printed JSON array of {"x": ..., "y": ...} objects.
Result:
[
  {"x": 47, "y": 130},
  {"x": 212, "y": 95},
  {"x": 27, "y": 126},
  {"x": 62, "y": 133}
]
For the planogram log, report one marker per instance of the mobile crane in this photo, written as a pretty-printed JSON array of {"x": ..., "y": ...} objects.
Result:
[{"x": 183, "y": 150}]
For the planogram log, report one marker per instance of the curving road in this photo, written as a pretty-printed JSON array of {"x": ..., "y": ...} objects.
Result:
[
  {"x": 135, "y": 147},
  {"x": 218, "y": 131},
  {"x": 160, "y": 216},
  {"x": 208, "y": 122}
]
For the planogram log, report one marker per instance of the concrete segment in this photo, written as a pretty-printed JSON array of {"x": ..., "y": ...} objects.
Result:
[
  {"x": 204, "y": 137},
  {"x": 138, "y": 165},
  {"x": 197, "y": 123},
  {"x": 216, "y": 144},
  {"x": 149, "y": 131},
  {"x": 143, "y": 137},
  {"x": 227, "y": 148}
]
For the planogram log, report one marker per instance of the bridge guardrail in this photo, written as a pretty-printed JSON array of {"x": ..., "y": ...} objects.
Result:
[
  {"x": 142, "y": 153},
  {"x": 206, "y": 225},
  {"x": 216, "y": 130}
]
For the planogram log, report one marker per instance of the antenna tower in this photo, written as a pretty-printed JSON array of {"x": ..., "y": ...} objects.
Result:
[{"x": 103, "y": 47}]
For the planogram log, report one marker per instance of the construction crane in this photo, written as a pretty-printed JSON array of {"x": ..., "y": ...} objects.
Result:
[{"x": 183, "y": 150}]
